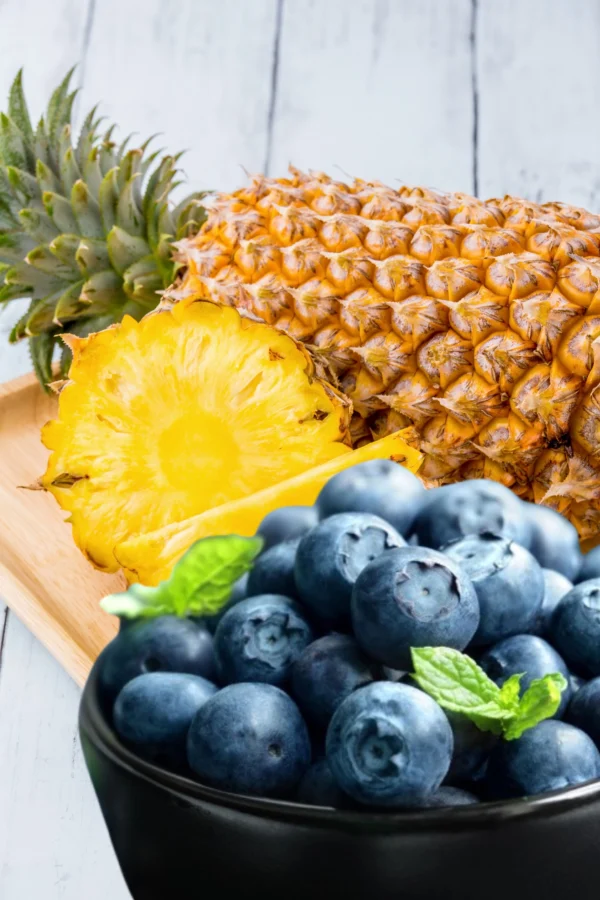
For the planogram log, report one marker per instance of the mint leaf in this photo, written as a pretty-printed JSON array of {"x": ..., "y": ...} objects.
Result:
[
  {"x": 456, "y": 682},
  {"x": 540, "y": 701},
  {"x": 137, "y": 601},
  {"x": 459, "y": 685},
  {"x": 511, "y": 691},
  {"x": 200, "y": 584}
]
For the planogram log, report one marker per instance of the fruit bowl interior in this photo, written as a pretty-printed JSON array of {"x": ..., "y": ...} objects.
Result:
[{"x": 172, "y": 835}]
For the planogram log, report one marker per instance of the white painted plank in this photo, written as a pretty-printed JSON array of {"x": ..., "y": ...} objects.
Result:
[
  {"x": 538, "y": 70},
  {"x": 380, "y": 89},
  {"x": 197, "y": 70},
  {"x": 53, "y": 843},
  {"x": 14, "y": 360}
]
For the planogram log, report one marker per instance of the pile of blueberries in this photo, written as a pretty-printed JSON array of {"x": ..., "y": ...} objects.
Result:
[{"x": 300, "y": 688}]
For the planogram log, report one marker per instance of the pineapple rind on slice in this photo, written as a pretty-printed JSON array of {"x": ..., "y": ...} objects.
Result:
[
  {"x": 186, "y": 410},
  {"x": 149, "y": 558}
]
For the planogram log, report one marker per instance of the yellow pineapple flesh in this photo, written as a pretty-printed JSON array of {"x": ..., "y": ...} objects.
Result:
[
  {"x": 150, "y": 558},
  {"x": 184, "y": 411},
  {"x": 476, "y": 322}
]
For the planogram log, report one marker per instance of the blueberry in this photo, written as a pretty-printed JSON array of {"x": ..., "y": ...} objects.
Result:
[
  {"x": 326, "y": 672},
  {"x": 250, "y": 739},
  {"x": 239, "y": 592},
  {"x": 556, "y": 586},
  {"x": 550, "y": 756},
  {"x": 319, "y": 788},
  {"x": 449, "y": 796},
  {"x": 508, "y": 581},
  {"x": 273, "y": 571},
  {"x": 471, "y": 507},
  {"x": 584, "y": 710},
  {"x": 554, "y": 540},
  {"x": 286, "y": 523},
  {"x": 590, "y": 566},
  {"x": 153, "y": 714},
  {"x": 529, "y": 655},
  {"x": 575, "y": 627},
  {"x": 259, "y": 639},
  {"x": 166, "y": 644},
  {"x": 332, "y": 555},
  {"x": 472, "y": 748},
  {"x": 395, "y": 675},
  {"x": 389, "y": 745},
  {"x": 576, "y": 683},
  {"x": 412, "y": 597},
  {"x": 380, "y": 487}
]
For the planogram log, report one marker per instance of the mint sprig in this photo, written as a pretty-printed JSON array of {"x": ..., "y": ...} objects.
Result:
[
  {"x": 459, "y": 685},
  {"x": 200, "y": 584}
]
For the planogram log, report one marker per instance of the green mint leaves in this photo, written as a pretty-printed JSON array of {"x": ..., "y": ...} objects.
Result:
[
  {"x": 540, "y": 701},
  {"x": 200, "y": 583},
  {"x": 459, "y": 685}
]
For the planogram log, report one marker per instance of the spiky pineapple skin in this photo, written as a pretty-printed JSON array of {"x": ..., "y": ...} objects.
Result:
[{"x": 478, "y": 322}]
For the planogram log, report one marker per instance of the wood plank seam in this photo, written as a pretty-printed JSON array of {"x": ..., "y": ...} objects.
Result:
[
  {"x": 87, "y": 37},
  {"x": 274, "y": 84},
  {"x": 4, "y": 628},
  {"x": 475, "y": 93}
]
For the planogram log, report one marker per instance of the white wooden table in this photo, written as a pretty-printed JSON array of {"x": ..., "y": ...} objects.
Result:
[{"x": 491, "y": 96}]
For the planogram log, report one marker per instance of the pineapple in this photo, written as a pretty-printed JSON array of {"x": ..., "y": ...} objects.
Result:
[
  {"x": 186, "y": 410},
  {"x": 150, "y": 557},
  {"x": 476, "y": 323}
]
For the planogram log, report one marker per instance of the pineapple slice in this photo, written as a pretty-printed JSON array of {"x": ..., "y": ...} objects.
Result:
[
  {"x": 191, "y": 408},
  {"x": 149, "y": 558}
]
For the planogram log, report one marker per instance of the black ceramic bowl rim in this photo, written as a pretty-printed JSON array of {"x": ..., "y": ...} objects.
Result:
[{"x": 95, "y": 727}]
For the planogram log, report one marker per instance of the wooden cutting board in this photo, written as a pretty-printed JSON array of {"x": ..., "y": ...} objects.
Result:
[{"x": 43, "y": 576}]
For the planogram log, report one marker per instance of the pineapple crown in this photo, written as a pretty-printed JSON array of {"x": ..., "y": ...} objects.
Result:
[{"x": 86, "y": 225}]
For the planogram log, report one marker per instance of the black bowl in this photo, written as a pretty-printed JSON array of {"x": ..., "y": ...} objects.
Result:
[{"x": 176, "y": 839}]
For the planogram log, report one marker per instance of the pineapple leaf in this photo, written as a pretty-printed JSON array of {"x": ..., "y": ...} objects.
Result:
[
  {"x": 70, "y": 306},
  {"x": 12, "y": 292},
  {"x": 18, "y": 111},
  {"x": 44, "y": 260},
  {"x": 102, "y": 289},
  {"x": 24, "y": 185},
  {"x": 60, "y": 211},
  {"x": 107, "y": 198},
  {"x": 64, "y": 247},
  {"x": 69, "y": 170},
  {"x": 12, "y": 146},
  {"x": 124, "y": 249},
  {"x": 46, "y": 179},
  {"x": 38, "y": 225},
  {"x": 41, "y": 348},
  {"x": 82, "y": 213},
  {"x": 87, "y": 211},
  {"x": 91, "y": 256},
  {"x": 58, "y": 105},
  {"x": 129, "y": 213}
]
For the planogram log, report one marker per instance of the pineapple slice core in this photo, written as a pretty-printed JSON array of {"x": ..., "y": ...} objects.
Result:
[{"x": 189, "y": 409}]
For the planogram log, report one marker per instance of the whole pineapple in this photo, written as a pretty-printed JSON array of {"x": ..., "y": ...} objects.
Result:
[
  {"x": 474, "y": 323},
  {"x": 477, "y": 322}
]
